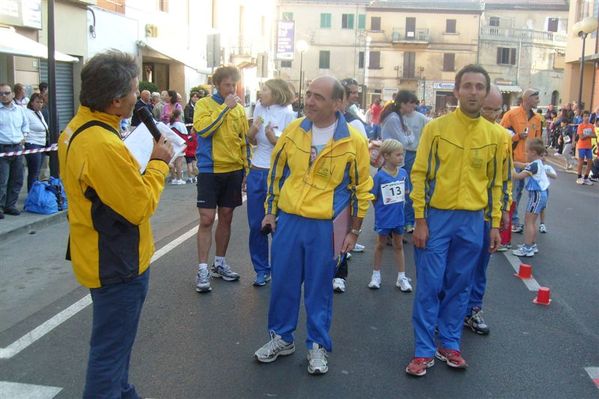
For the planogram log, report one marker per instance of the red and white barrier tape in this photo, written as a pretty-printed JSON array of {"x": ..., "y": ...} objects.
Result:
[{"x": 53, "y": 147}]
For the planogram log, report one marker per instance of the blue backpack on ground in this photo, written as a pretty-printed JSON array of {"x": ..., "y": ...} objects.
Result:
[{"x": 46, "y": 197}]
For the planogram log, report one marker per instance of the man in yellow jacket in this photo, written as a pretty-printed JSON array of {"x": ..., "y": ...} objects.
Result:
[
  {"x": 491, "y": 109},
  {"x": 223, "y": 154},
  {"x": 457, "y": 181},
  {"x": 319, "y": 171},
  {"x": 110, "y": 205}
]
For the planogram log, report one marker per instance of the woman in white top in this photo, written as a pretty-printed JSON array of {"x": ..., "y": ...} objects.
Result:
[
  {"x": 35, "y": 138},
  {"x": 271, "y": 115},
  {"x": 401, "y": 122}
]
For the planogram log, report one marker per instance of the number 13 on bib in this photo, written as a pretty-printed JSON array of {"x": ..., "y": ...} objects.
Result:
[{"x": 393, "y": 192}]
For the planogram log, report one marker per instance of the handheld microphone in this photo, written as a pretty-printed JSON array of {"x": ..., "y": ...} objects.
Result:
[{"x": 145, "y": 116}]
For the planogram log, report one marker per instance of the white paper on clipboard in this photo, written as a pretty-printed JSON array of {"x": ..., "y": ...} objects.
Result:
[
  {"x": 176, "y": 140},
  {"x": 140, "y": 143}
]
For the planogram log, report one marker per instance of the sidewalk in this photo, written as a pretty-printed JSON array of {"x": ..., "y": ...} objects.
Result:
[{"x": 27, "y": 222}]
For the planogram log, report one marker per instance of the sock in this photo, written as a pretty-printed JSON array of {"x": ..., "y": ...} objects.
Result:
[
  {"x": 586, "y": 176},
  {"x": 580, "y": 176},
  {"x": 376, "y": 273},
  {"x": 202, "y": 266},
  {"x": 219, "y": 260},
  {"x": 401, "y": 275}
]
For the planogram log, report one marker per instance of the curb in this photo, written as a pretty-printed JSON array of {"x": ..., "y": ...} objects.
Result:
[{"x": 28, "y": 228}]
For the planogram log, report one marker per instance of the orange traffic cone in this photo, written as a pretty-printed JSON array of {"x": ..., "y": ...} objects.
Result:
[
  {"x": 543, "y": 296},
  {"x": 524, "y": 272}
]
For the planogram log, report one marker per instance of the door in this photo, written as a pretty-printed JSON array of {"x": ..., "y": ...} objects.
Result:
[
  {"x": 65, "y": 107},
  {"x": 410, "y": 28}
]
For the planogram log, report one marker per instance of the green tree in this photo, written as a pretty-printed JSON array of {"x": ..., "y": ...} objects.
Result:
[{"x": 145, "y": 85}]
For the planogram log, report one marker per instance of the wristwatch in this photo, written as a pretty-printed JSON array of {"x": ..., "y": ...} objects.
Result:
[{"x": 356, "y": 232}]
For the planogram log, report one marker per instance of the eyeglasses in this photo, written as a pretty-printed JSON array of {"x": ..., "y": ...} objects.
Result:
[{"x": 5, "y": 93}]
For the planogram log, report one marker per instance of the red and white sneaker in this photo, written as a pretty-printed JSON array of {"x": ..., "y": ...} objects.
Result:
[
  {"x": 418, "y": 365},
  {"x": 452, "y": 357}
]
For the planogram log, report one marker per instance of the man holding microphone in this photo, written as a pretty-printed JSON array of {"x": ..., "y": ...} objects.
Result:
[
  {"x": 110, "y": 243},
  {"x": 223, "y": 154}
]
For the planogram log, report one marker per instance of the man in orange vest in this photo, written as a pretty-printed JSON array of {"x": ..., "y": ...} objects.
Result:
[{"x": 525, "y": 124}]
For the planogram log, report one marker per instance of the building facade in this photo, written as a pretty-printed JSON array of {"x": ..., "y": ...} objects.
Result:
[
  {"x": 571, "y": 86},
  {"x": 523, "y": 45}
]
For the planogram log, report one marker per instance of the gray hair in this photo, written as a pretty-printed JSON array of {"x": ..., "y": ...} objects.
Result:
[{"x": 107, "y": 76}]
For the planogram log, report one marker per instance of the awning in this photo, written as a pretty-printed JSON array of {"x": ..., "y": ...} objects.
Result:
[
  {"x": 509, "y": 88},
  {"x": 13, "y": 43},
  {"x": 183, "y": 57}
]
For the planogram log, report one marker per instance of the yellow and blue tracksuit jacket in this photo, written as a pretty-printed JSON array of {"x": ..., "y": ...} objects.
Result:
[
  {"x": 508, "y": 164},
  {"x": 459, "y": 166},
  {"x": 340, "y": 175},
  {"x": 110, "y": 202},
  {"x": 222, "y": 136}
]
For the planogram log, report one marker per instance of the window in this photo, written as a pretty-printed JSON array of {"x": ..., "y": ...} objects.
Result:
[
  {"x": 374, "y": 62},
  {"x": 552, "y": 24},
  {"x": 362, "y": 21},
  {"x": 494, "y": 21},
  {"x": 361, "y": 59},
  {"x": 325, "y": 20},
  {"x": 506, "y": 55},
  {"x": 285, "y": 64},
  {"x": 409, "y": 64},
  {"x": 375, "y": 23},
  {"x": 347, "y": 21},
  {"x": 449, "y": 62},
  {"x": 450, "y": 25},
  {"x": 288, "y": 16},
  {"x": 163, "y": 5},
  {"x": 324, "y": 59}
]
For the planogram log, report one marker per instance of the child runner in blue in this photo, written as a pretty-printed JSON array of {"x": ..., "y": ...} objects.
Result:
[
  {"x": 390, "y": 184},
  {"x": 537, "y": 184}
]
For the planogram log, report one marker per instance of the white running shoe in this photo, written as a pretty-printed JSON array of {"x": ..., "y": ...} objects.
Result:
[
  {"x": 542, "y": 228},
  {"x": 317, "y": 360},
  {"x": 274, "y": 348},
  {"x": 524, "y": 251},
  {"x": 375, "y": 281},
  {"x": 580, "y": 181},
  {"x": 339, "y": 285},
  {"x": 203, "y": 280},
  {"x": 403, "y": 283},
  {"x": 358, "y": 248},
  {"x": 587, "y": 182}
]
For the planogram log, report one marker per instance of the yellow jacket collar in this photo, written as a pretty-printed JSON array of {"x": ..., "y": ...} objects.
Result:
[
  {"x": 112, "y": 120},
  {"x": 465, "y": 119}
]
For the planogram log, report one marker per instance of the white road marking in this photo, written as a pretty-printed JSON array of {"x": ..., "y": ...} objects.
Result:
[
  {"x": 530, "y": 283},
  {"x": 13, "y": 390},
  {"x": 593, "y": 372},
  {"x": 56, "y": 320}
]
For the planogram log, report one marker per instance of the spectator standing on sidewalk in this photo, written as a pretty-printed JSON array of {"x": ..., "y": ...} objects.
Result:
[
  {"x": 110, "y": 206},
  {"x": 223, "y": 156},
  {"x": 20, "y": 96},
  {"x": 190, "y": 108},
  {"x": 375, "y": 118},
  {"x": 526, "y": 124},
  {"x": 585, "y": 133},
  {"x": 37, "y": 137},
  {"x": 145, "y": 101},
  {"x": 14, "y": 126},
  {"x": 451, "y": 198}
]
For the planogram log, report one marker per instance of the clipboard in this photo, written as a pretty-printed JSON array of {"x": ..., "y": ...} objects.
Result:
[{"x": 341, "y": 226}]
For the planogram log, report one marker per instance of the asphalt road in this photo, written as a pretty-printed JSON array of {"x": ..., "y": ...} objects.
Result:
[{"x": 201, "y": 346}]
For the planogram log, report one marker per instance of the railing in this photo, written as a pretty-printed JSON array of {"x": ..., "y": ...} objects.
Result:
[
  {"x": 525, "y": 35},
  {"x": 400, "y": 35}
]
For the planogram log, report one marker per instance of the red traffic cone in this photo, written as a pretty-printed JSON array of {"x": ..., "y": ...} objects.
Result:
[
  {"x": 543, "y": 296},
  {"x": 524, "y": 272}
]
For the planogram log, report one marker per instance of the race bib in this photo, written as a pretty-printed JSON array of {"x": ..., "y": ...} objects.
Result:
[{"x": 393, "y": 192}]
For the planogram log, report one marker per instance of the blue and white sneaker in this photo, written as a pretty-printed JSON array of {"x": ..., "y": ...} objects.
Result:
[
  {"x": 261, "y": 279},
  {"x": 534, "y": 247},
  {"x": 524, "y": 251},
  {"x": 224, "y": 271},
  {"x": 203, "y": 280}
]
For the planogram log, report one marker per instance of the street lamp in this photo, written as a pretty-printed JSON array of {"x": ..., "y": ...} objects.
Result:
[
  {"x": 582, "y": 29},
  {"x": 302, "y": 46}
]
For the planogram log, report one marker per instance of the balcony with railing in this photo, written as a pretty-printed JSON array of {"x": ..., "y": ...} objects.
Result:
[
  {"x": 418, "y": 36},
  {"x": 496, "y": 33}
]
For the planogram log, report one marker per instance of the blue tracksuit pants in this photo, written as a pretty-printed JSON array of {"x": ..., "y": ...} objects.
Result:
[
  {"x": 479, "y": 277},
  {"x": 256, "y": 195},
  {"x": 116, "y": 310},
  {"x": 445, "y": 266},
  {"x": 302, "y": 252},
  {"x": 409, "y": 209}
]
